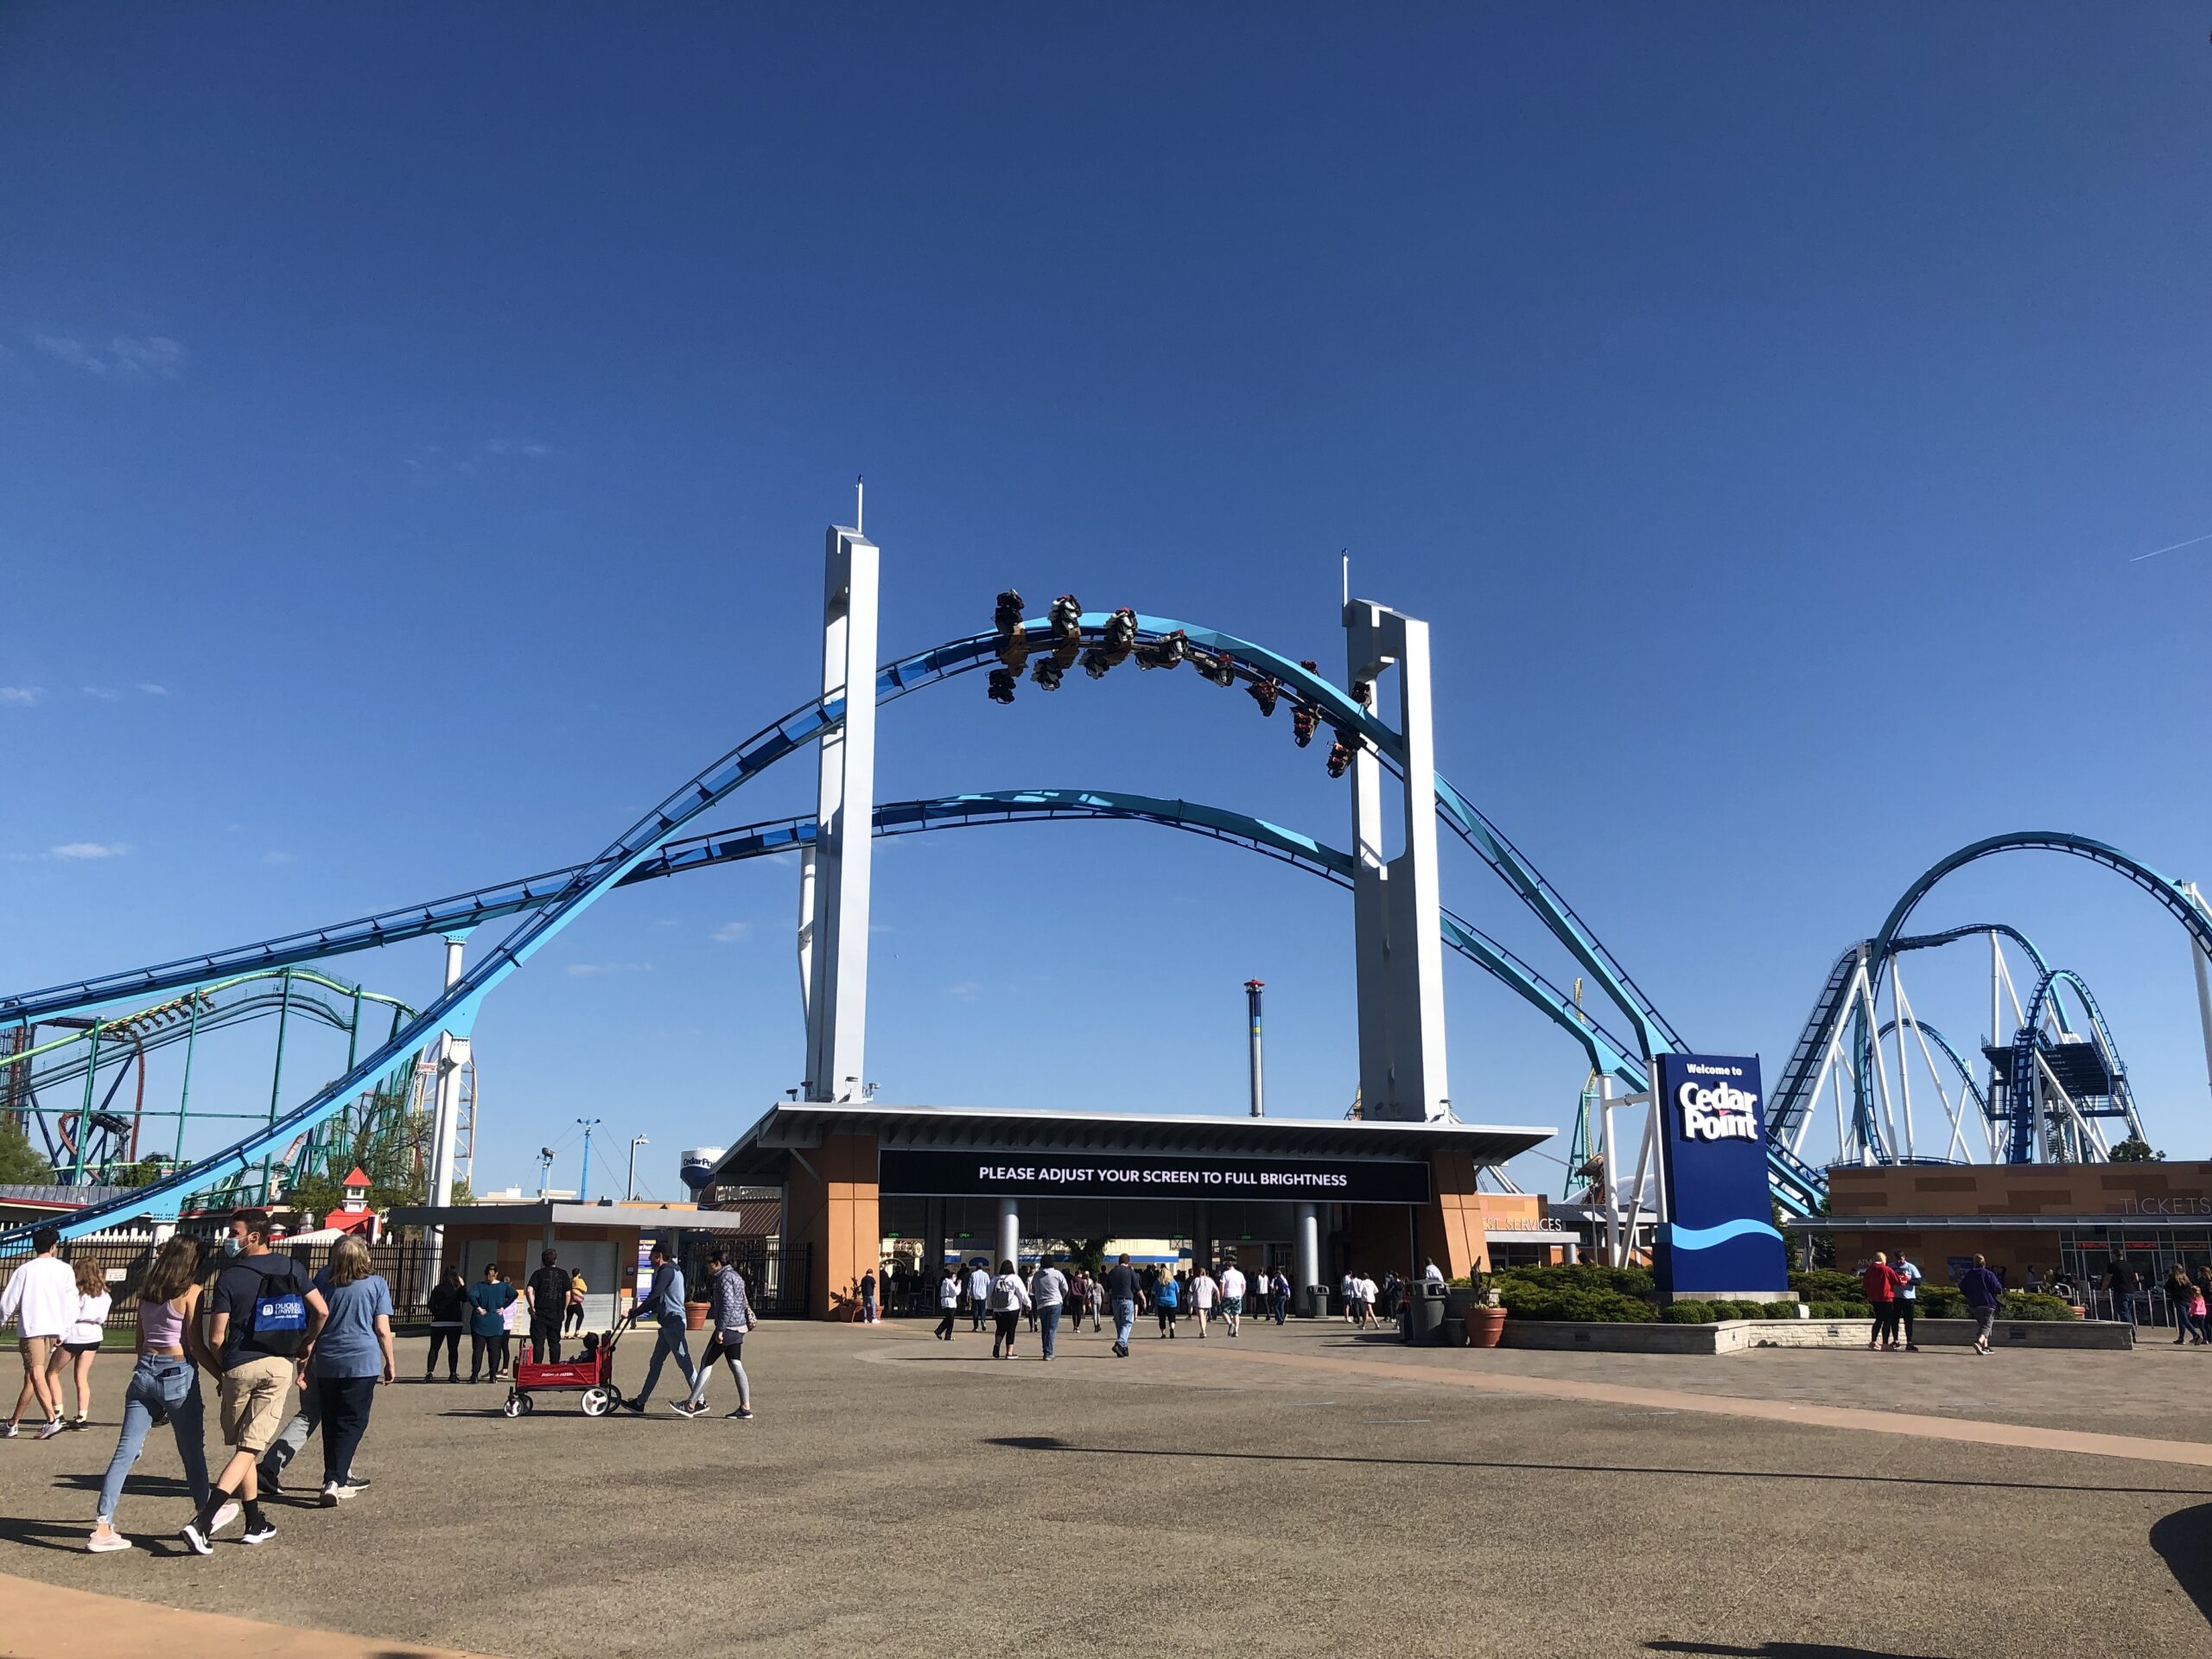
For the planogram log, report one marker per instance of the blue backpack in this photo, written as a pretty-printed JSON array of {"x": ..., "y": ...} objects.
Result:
[{"x": 279, "y": 1323}]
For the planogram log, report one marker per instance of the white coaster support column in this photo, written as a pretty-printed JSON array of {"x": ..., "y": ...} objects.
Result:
[
  {"x": 1398, "y": 948},
  {"x": 834, "y": 950},
  {"x": 445, "y": 1115}
]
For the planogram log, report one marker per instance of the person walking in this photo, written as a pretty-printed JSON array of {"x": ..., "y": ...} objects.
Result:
[
  {"x": 41, "y": 1298},
  {"x": 948, "y": 1304},
  {"x": 1880, "y": 1283},
  {"x": 1349, "y": 1291},
  {"x": 573, "y": 1320},
  {"x": 164, "y": 1386},
  {"x": 663, "y": 1302},
  {"x": 1008, "y": 1296},
  {"x": 1048, "y": 1293},
  {"x": 1278, "y": 1296},
  {"x": 1122, "y": 1294},
  {"x": 1094, "y": 1297},
  {"x": 488, "y": 1322},
  {"x": 353, "y": 1356},
  {"x": 264, "y": 1319},
  {"x": 1908, "y": 1297},
  {"x": 449, "y": 1300},
  {"x": 868, "y": 1297},
  {"x": 1985, "y": 1294},
  {"x": 546, "y": 1296},
  {"x": 80, "y": 1342},
  {"x": 2123, "y": 1282},
  {"x": 1430, "y": 1272},
  {"x": 1165, "y": 1303},
  {"x": 731, "y": 1312},
  {"x": 1232, "y": 1295},
  {"x": 2198, "y": 1314},
  {"x": 1205, "y": 1295},
  {"x": 979, "y": 1295},
  {"x": 1366, "y": 1290}
]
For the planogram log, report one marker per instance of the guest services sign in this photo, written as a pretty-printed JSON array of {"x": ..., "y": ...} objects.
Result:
[{"x": 1125, "y": 1175}]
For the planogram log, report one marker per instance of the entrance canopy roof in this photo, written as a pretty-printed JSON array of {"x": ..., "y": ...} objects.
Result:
[{"x": 762, "y": 1155}]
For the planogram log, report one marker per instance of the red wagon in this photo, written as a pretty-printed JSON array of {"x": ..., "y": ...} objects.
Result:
[{"x": 594, "y": 1373}]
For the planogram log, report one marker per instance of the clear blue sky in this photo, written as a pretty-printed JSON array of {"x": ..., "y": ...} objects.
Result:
[{"x": 440, "y": 407}]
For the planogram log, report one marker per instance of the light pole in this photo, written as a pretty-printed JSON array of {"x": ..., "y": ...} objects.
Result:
[
  {"x": 584, "y": 1185},
  {"x": 544, "y": 1168},
  {"x": 631, "y": 1191}
]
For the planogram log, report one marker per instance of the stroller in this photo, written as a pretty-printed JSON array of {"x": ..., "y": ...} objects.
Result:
[{"x": 593, "y": 1371}]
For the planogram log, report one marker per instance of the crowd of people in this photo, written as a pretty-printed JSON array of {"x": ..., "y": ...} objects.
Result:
[
  {"x": 290, "y": 1354},
  {"x": 261, "y": 1327}
]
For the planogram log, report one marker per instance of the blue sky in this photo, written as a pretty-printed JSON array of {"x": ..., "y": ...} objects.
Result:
[{"x": 440, "y": 407}]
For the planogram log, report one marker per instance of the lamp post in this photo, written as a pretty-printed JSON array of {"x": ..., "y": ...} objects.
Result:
[
  {"x": 584, "y": 1185},
  {"x": 631, "y": 1191}
]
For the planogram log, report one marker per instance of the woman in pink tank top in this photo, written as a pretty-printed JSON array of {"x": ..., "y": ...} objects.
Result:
[{"x": 164, "y": 1386}]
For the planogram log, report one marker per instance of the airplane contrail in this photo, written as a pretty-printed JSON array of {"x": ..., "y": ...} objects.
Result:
[{"x": 2176, "y": 547}]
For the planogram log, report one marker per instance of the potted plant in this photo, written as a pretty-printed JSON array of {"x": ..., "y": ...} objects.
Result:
[{"x": 1485, "y": 1319}]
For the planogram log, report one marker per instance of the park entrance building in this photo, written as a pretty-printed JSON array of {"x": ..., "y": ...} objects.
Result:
[{"x": 1316, "y": 1196}]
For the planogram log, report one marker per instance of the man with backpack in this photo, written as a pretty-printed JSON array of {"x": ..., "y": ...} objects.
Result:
[{"x": 264, "y": 1316}]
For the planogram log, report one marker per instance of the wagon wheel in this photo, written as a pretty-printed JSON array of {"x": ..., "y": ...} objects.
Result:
[
  {"x": 516, "y": 1404},
  {"x": 596, "y": 1403}
]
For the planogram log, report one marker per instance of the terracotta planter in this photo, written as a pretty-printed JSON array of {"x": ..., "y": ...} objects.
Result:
[
  {"x": 695, "y": 1315},
  {"x": 1484, "y": 1326}
]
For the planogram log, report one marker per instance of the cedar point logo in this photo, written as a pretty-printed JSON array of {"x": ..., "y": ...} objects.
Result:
[{"x": 1726, "y": 1112}]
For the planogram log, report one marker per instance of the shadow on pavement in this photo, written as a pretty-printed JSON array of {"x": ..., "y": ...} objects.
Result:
[
  {"x": 1780, "y": 1650},
  {"x": 1051, "y": 1443},
  {"x": 2183, "y": 1540}
]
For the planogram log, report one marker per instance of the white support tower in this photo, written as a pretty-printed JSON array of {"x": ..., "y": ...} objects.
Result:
[
  {"x": 833, "y": 950},
  {"x": 1399, "y": 951},
  {"x": 2203, "y": 966},
  {"x": 445, "y": 1121}
]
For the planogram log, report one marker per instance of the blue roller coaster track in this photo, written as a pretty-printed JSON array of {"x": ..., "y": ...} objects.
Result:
[
  {"x": 546, "y": 905},
  {"x": 1790, "y": 1102}
]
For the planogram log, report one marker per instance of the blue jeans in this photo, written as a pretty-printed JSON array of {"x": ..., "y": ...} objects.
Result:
[
  {"x": 1125, "y": 1318},
  {"x": 168, "y": 1385},
  {"x": 1048, "y": 1321},
  {"x": 673, "y": 1341}
]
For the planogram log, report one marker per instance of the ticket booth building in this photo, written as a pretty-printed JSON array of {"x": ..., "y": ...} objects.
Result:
[{"x": 1317, "y": 1196}]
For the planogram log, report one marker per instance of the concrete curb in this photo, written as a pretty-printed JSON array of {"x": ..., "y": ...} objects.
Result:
[{"x": 1736, "y": 1336}]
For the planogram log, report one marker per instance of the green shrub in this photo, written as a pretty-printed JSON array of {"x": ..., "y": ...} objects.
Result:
[
  {"x": 1827, "y": 1285},
  {"x": 1841, "y": 1310},
  {"x": 2025, "y": 1305},
  {"x": 1942, "y": 1302},
  {"x": 1545, "y": 1301},
  {"x": 1582, "y": 1275},
  {"x": 1689, "y": 1314}
]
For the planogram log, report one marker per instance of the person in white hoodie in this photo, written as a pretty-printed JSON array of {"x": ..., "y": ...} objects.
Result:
[
  {"x": 1008, "y": 1297},
  {"x": 41, "y": 1298},
  {"x": 1048, "y": 1292}
]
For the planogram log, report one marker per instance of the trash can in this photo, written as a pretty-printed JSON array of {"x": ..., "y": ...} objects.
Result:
[
  {"x": 1426, "y": 1307},
  {"x": 1317, "y": 1301}
]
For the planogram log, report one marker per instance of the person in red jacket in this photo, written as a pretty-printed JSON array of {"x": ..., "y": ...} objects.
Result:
[{"x": 1881, "y": 1282}]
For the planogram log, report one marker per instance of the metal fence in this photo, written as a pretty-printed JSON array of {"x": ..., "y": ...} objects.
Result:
[{"x": 775, "y": 1280}]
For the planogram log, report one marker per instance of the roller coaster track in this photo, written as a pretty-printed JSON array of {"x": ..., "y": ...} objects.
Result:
[
  {"x": 2021, "y": 1118},
  {"x": 560, "y": 896},
  {"x": 1788, "y": 1104}
]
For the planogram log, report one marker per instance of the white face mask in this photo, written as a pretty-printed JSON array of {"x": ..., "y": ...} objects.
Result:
[{"x": 232, "y": 1244}]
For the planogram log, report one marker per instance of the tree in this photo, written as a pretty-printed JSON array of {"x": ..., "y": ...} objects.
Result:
[
  {"x": 1085, "y": 1255},
  {"x": 20, "y": 1163},
  {"x": 2136, "y": 1150}
]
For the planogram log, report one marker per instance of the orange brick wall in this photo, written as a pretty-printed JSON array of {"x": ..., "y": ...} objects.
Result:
[{"x": 835, "y": 1211}]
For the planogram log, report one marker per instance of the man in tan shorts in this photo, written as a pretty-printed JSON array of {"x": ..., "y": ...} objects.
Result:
[{"x": 266, "y": 1315}]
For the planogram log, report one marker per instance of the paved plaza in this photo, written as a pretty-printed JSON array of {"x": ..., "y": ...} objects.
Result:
[{"x": 1299, "y": 1490}]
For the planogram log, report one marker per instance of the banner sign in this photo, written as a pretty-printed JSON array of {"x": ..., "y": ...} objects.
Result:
[
  {"x": 1141, "y": 1175},
  {"x": 1720, "y": 1235}
]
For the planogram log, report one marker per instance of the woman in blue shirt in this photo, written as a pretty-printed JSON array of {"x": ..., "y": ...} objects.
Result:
[
  {"x": 1164, "y": 1300},
  {"x": 488, "y": 1325},
  {"x": 352, "y": 1354}
]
